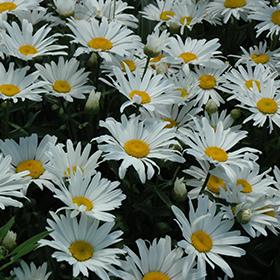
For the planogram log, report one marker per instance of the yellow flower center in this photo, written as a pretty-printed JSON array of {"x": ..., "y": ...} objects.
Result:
[
  {"x": 207, "y": 81},
  {"x": 215, "y": 128},
  {"x": 269, "y": 213},
  {"x": 7, "y": 6},
  {"x": 233, "y": 209},
  {"x": 155, "y": 275},
  {"x": 214, "y": 183},
  {"x": 249, "y": 84},
  {"x": 187, "y": 56},
  {"x": 216, "y": 153},
  {"x": 35, "y": 168},
  {"x": 131, "y": 65},
  {"x": 27, "y": 49},
  {"x": 166, "y": 15},
  {"x": 184, "y": 92},
  {"x": 68, "y": 173},
  {"x": 263, "y": 58},
  {"x": 171, "y": 124},
  {"x": 275, "y": 17},
  {"x": 188, "y": 20},
  {"x": 144, "y": 95},
  {"x": 136, "y": 148},
  {"x": 61, "y": 86},
  {"x": 83, "y": 201},
  {"x": 234, "y": 3},
  {"x": 100, "y": 43},
  {"x": 156, "y": 59},
  {"x": 267, "y": 105},
  {"x": 201, "y": 241},
  {"x": 9, "y": 90},
  {"x": 81, "y": 250},
  {"x": 247, "y": 188}
]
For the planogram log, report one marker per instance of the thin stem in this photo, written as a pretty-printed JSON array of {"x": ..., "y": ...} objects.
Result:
[
  {"x": 114, "y": 11},
  {"x": 146, "y": 66},
  {"x": 205, "y": 183}
]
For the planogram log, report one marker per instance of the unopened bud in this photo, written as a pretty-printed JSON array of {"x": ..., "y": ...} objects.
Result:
[
  {"x": 211, "y": 107},
  {"x": 161, "y": 68},
  {"x": 93, "y": 60},
  {"x": 244, "y": 216},
  {"x": 179, "y": 191},
  {"x": 235, "y": 113},
  {"x": 92, "y": 104},
  {"x": 174, "y": 28},
  {"x": 9, "y": 241}
]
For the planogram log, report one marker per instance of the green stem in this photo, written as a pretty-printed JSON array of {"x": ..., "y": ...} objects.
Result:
[
  {"x": 146, "y": 66},
  {"x": 205, "y": 183},
  {"x": 114, "y": 11}
]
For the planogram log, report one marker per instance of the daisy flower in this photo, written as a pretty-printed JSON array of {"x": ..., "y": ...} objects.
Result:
[
  {"x": 11, "y": 185},
  {"x": 83, "y": 244},
  {"x": 65, "y": 8},
  {"x": 228, "y": 8},
  {"x": 206, "y": 144},
  {"x": 207, "y": 236},
  {"x": 26, "y": 46},
  {"x": 15, "y": 84},
  {"x": 61, "y": 163},
  {"x": 27, "y": 272},
  {"x": 269, "y": 17},
  {"x": 104, "y": 38},
  {"x": 93, "y": 197},
  {"x": 64, "y": 79},
  {"x": 17, "y": 6},
  {"x": 137, "y": 144},
  {"x": 264, "y": 104},
  {"x": 147, "y": 92},
  {"x": 194, "y": 52},
  {"x": 158, "y": 261},
  {"x": 28, "y": 155}
]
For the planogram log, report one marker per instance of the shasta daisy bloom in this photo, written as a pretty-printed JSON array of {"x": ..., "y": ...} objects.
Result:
[
  {"x": 15, "y": 84},
  {"x": 93, "y": 197},
  {"x": 11, "y": 185},
  {"x": 147, "y": 92},
  {"x": 17, "y": 6},
  {"x": 64, "y": 79},
  {"x": 23, "y": 44},
  {"x": 27, "y": 272},
  {"x": 28, "y": 155},
  {"x": 138, "y": 144},
  {"x": 83, "y": 244},
  {"x": 104, "y": 38},
  {"x": 61, "y": 163},
  {"x": 207, "y": 236},
  {"x": 264, "y": 104}
]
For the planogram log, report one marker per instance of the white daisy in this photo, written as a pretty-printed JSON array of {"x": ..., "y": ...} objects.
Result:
[
  {"x": 64, "y": 79},
  {"x": 83, "y": 244},
  {"x": 27, "y": 272},
  {"x": 15, "y": 84},
  {"x": 137, "y": 144},
  {"x": 23, "y": 44},
  {"x": 207, "y": 236},
  {"x": 28, "y": 155},
  {"x": 94, "y": 197},
  {"x": 17, "y": 6},
  {"x": 106, "y": 37},
  {"x": 147, "y": 92},
  {"x": 65, "y": 8},
  {"x": 61, "y": 162}
]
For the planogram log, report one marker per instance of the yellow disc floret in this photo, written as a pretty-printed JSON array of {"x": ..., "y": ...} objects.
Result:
[
  {"x": 9, "y": 89},
  {"x": 35, "y": 168},
  {"x": 249, "y": 84},
  {"x": 187, "y": 19},
  {"x": 234, "y": 3},
  {"x": 81, "y": 250},
  {"x": 131, "y": 65},
  {"x": 275, "y": 17},
  {"x": 267, "y": 105},
  {"x": 214, "y": 183},
  {"x": 27, "y": 49},
  {"x": 7, "y": 6},
  {"x": 83, "y": 201},
  {"x": 171, "y": 124},
  {"x": 207, "y": 81},
  {"x": 61, "y": 86},
  {"x": 263, "y": 58},
  {"x": 100, "y": 43},
  {"x": 155, "y": 275},
  {"x": 144, "y": 95},
  {"x": 184, "y": 92},
  {"x": 166, "y": 15},
  {"x": 202, "y": 241},
  {"x": 136, "y": 148},
  {"x": 216, "y": 153},
  {"x": 247, "y": 188},
  {"x": 67, "y": 173},
  {"x": 187, "y": 56}
]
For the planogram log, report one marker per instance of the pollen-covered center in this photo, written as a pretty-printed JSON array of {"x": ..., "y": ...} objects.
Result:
[
  {"x": 187, "y": 56},
  {"x": 83, "y": 201},
  {"x": 35, "y": 168},
  {"x": 216, "y": 153},
  {"x": 81, "y": 250},
  {"x": 27, "y": 49},
  {"x": 61, "y": 86},
  {"x": 156, "y": 59},
  {"x": 269, "y": 212},
  {"x": 234, "y": 3},
  {"x": 263, "y": 58},
  {"x": 9, "y": 89},
  {"x": 155, "y": 275},
  {"x": 184, "y": 92},
  {"x": 7, "y": 6},
  {"x": 249, "y": 84},
  {"x": 67, "y": 172},
  {"x": 214, "y": 183},
  {"x": 100, "y": 43},
  {"x": 144, "y": 95},
  {"x": 171, "y": 124},
  {"x": 136, "y": 148},
  {"x": 166, "y": 15},
  {"x": 131, "y": 65},
  {"x": 267, "y": 105},
  {"x": 201, "y": 241},
  {"x": 275, "y": 17},
  {"x": 185, "y": 20},
  {"x": 207, "y": 81},
  {"x": 247, "y": 188}
]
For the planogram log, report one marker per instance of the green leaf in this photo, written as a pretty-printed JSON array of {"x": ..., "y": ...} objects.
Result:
[{"x": 4, "y": 229}]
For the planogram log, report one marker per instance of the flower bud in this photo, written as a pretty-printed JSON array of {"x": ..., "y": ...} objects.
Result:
[
  {"x": 161, "y": 68},
  {"x": 92, "y": 104},
  {"x": 211, "y": 107},
  {"x": 179, "y": 191},
  {"x": 93, "y": 60},
  {"x": 244, "y": 216},
  {"x": 9, "y": 241},
  {"x": 65, "y": 8},
  {"x": 235, "y": 113}
]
